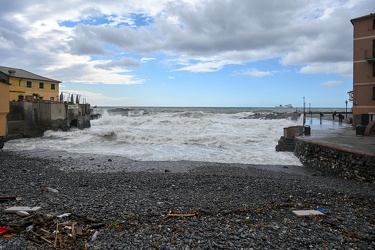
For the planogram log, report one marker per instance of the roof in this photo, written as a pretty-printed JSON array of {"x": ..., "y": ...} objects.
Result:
[
  {"x": 362, "y": 17},
  {"x": 20, "y": 73}
]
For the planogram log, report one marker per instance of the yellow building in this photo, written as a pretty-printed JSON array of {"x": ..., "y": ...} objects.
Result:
[
  {"x": 24, "y": 85},
  {"x": 4, "y": 107}
]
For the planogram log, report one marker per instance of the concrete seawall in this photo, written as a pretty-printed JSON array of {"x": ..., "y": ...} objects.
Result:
[
  {"x": 31, "y": 119},
  {"x": 336, "y": 160}
]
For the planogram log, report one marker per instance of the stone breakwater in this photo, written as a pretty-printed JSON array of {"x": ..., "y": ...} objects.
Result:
[{"x": 332, "y": 160}]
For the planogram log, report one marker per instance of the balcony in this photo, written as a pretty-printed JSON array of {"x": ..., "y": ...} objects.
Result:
[{"x": 370, "y": 56}]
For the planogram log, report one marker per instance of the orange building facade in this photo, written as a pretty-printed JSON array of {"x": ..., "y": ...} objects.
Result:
[
  {"x": 363, "y": 69},
  {"x": 4, "y": 107}
]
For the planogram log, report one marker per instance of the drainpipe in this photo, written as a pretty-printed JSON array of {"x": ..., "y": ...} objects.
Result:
[{"x": 19, "y": 84}]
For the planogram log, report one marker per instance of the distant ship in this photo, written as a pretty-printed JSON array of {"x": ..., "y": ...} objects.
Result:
[{"x": 288, "y": 106}]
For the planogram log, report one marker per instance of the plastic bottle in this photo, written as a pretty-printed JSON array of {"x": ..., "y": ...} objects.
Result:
[
  {"x": 29, "y": 228},
  {"x": 94, "y": 236}
]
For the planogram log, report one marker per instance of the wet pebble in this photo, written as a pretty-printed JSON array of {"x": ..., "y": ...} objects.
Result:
[{"x": 235, "y": 206}]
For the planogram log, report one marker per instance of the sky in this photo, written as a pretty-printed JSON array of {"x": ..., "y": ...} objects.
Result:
[{"x": 195, "y": 53}]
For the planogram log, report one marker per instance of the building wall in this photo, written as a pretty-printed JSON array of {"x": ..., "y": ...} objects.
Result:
[
  {"x": 58, "y": 112},
  {"x": 363, "y": 75},
  {"x": 31, "y": 119},
  {"x": 21, "y": 118},
  {"x": 4, "y": 108},
  {"x": 19, "y": 87}
]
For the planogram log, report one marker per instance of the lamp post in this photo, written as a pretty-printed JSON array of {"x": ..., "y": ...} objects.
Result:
[
  {"x": 304, "y": 112},
  {"x": 346, "y": 109}
]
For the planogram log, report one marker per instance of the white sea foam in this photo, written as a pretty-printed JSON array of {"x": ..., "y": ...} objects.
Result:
[{"x": 173, "y": 136}]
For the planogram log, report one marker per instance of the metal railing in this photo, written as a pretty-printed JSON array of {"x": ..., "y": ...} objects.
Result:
[{"x": 70, "y": 98}]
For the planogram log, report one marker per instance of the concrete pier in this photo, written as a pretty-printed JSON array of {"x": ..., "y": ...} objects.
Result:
[{"x": 334, "y": 148}]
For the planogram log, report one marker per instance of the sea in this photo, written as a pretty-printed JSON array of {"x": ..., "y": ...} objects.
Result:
[{"x": 224, "y": 135}]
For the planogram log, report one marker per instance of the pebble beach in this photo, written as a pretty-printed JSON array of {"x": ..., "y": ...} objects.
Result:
[{"x": 186, "y": 204}]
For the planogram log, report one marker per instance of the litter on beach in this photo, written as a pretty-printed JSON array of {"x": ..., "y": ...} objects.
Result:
[
  {"x": 180, "y": 215},
  {"x": 303, "y": 213},
  {"x": 324, "y": 211},
  {"x": 23, "y": 213},
  {"x": 42, "y": 227},
  {"x": 7, "y": 198},
  {"x": 26, "y": 209},
  {"x": 3, "y": 230}
]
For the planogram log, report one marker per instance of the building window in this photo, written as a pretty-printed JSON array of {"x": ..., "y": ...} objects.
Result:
[
  {"x": 41, "y": 85},
  {"x": 52, "y": 99},
  {"x": 29, "y": 84},
  {"x": 53, "y": 86}
]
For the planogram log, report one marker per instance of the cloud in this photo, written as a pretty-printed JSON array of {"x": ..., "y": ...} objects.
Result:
[
  {"x": 332, "y": 83},
  {"x": 63, "y": 35},
  {"x": 256, "y": 73},
  {"x": 89, "y": 73},
  {"x": 97, "y": 98},
  {"x": 120, "y": 63},
  {"x": 202, "y": 66},
  {"x": 340, "y": 68},
  {"x": 147, "y": 59}
]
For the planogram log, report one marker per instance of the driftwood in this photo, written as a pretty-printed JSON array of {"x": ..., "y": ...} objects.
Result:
[
  {"x": 41, "y": 237},
  {"x": 7, "y": 198},
  {"x": 43, "y": 228},
  {"x": 180, "y": 215},
  {"x": 87, "y": 219}
]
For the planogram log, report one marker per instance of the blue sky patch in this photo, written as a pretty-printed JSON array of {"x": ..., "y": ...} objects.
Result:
[{"x": 135, "y": 20}]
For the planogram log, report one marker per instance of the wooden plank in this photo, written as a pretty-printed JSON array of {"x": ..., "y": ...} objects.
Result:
[
  {"x": 180, "y": 215},
  {"x": 8, "y": 197},
  {"x": 302, "y": 213},
  {"x": 26, "y": 209}
]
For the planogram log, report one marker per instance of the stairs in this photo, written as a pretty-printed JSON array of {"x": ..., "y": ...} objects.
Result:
[{"x": 285, "y": 144}]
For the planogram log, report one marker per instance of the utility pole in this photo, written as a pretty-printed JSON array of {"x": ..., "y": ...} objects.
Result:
[{"x": 346, "y": 109}]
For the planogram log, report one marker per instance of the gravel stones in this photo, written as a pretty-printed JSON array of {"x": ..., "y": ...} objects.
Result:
[{"x": 236, "y": 206}]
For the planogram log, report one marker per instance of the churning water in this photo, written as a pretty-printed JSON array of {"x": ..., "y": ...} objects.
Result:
[{"x": 226, "y": 135}]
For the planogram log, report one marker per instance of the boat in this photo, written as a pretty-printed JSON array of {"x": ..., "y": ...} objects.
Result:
[{"x": 288, "y": 106}]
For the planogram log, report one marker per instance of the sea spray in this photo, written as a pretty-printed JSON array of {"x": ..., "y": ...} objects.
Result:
[{"x": 220, "y": 135}]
